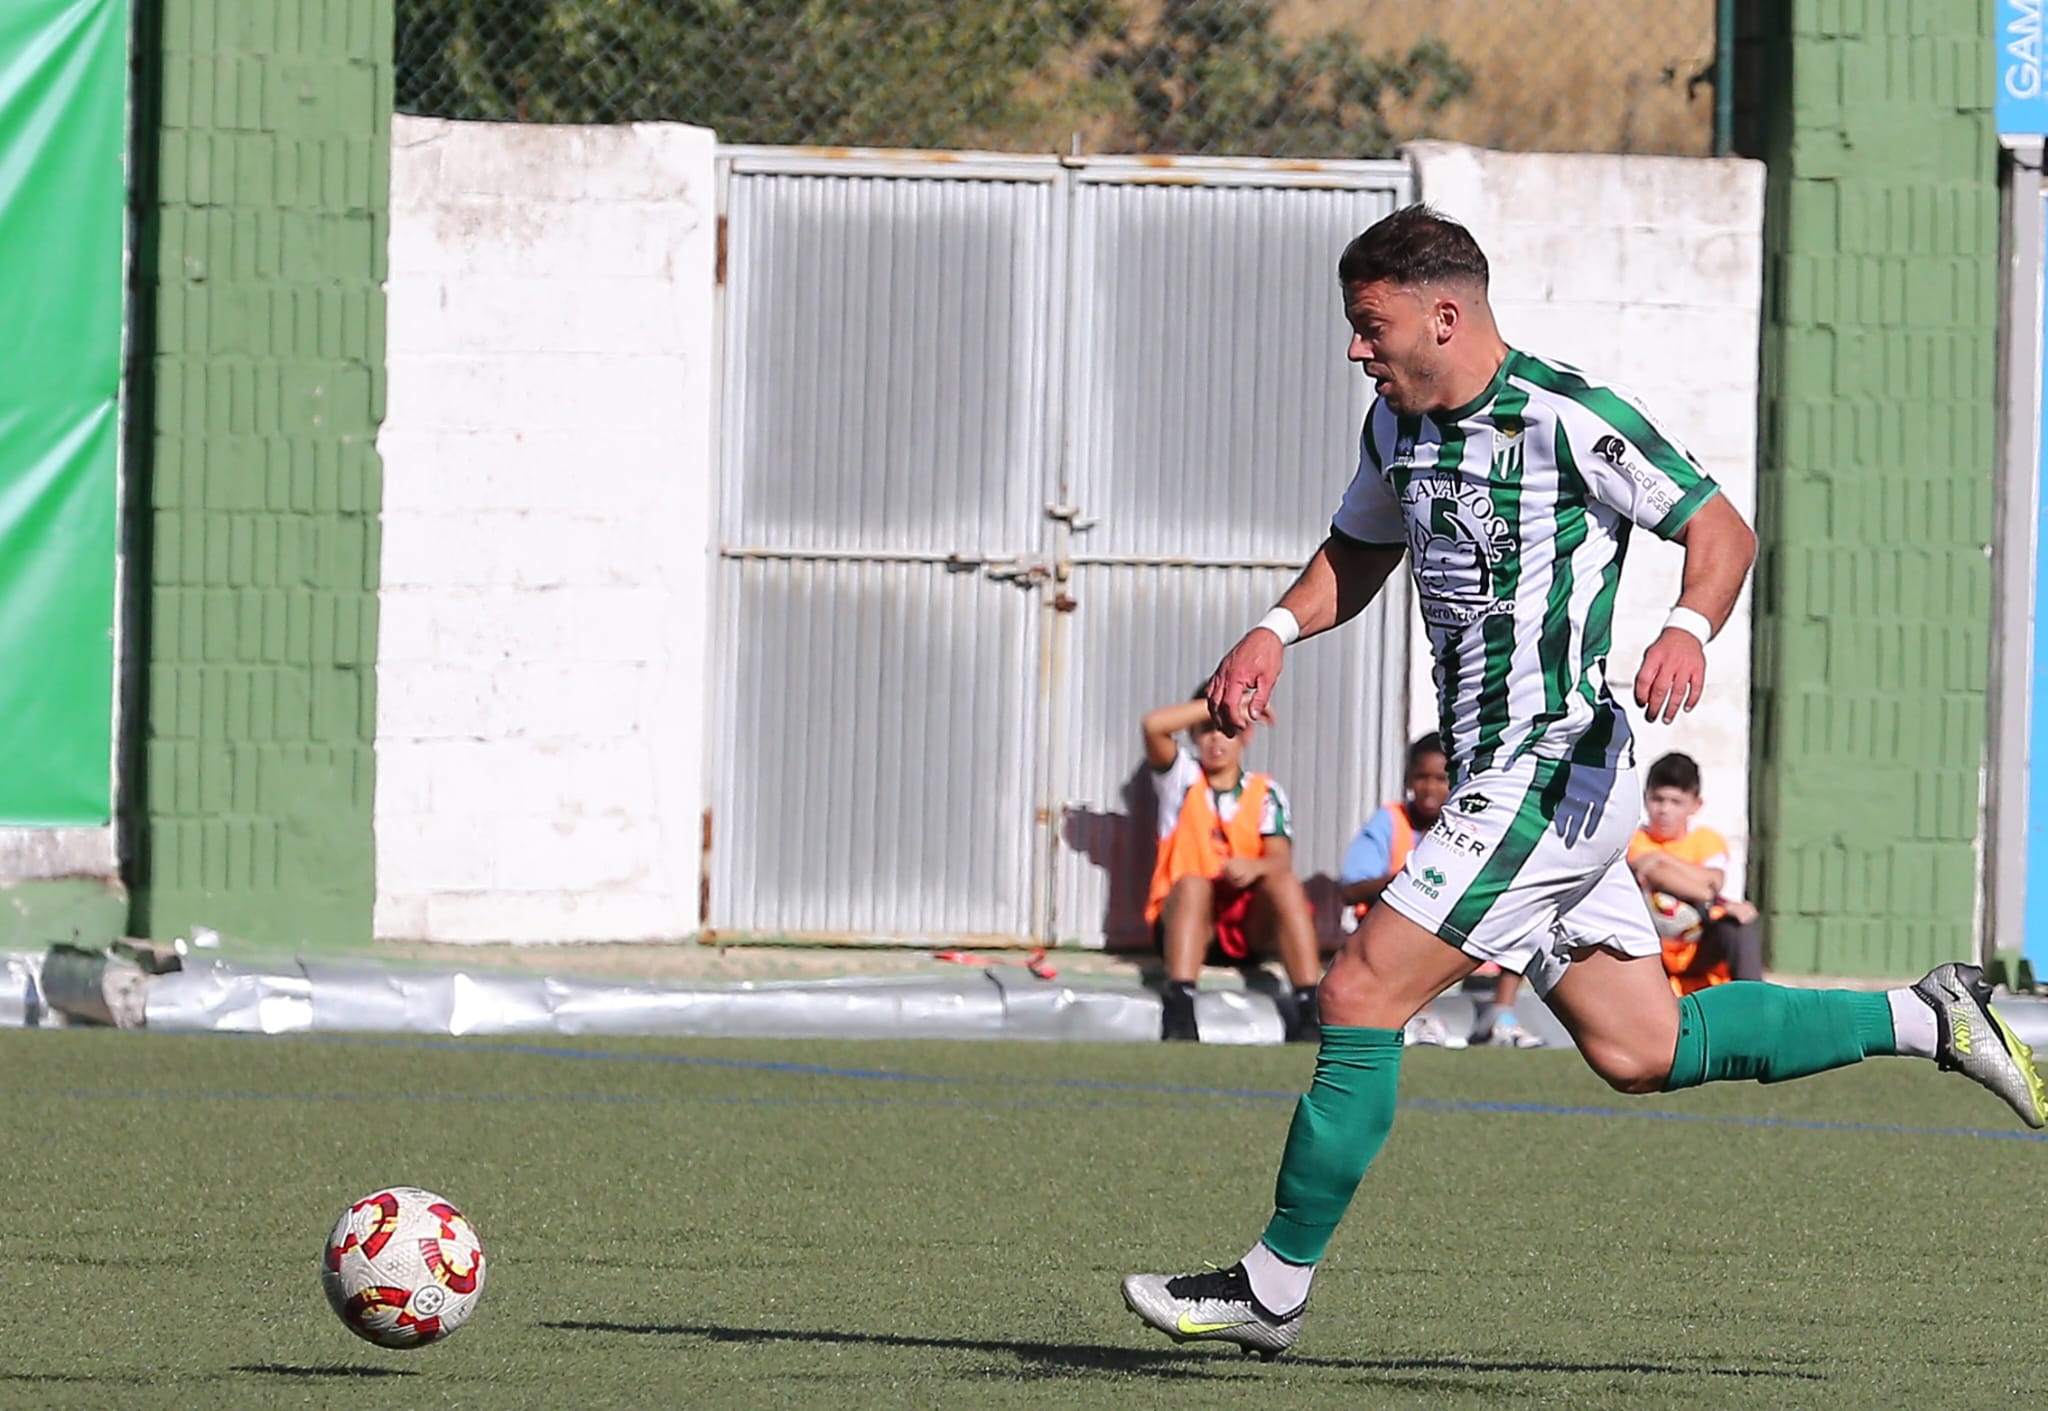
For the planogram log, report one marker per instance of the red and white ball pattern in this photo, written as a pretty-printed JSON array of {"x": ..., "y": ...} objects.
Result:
[
  {"x": 402, "y": 1268},
  {"x": 1675, "y": 920}
]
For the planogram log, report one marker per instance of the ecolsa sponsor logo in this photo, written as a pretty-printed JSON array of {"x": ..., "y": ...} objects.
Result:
[{"x": 1614, "y": 451}]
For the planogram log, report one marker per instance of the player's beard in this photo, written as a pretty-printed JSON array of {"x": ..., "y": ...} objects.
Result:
[{"x": 1412, "y": 385}]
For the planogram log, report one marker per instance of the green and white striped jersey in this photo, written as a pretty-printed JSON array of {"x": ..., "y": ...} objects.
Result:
[{"x": 1515, "y": 510}]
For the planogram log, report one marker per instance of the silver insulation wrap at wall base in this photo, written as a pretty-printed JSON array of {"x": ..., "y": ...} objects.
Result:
[
  {"x": 21, "y": 993},
  {"x": 998, "y": 1002},
  {"x": 1001, "y": 1002}
]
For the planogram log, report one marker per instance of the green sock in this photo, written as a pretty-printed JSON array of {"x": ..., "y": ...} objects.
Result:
[
  {"x": 1771, "y": 1033},
  {"x": 1339, "y": 1125}
]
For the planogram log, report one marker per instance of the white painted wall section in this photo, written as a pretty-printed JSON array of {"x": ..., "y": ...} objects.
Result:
[
  {"x": 1646, "y": 272},
  {"x": 548, "y": 485}
]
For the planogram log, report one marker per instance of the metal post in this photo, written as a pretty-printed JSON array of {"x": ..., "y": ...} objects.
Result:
[
  {"x": 2013, "y": 550},
  {"x": 1724, "y": 77}
]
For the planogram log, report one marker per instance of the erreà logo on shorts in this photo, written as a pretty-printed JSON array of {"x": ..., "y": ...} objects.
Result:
[{"x": 1430, "y": 883}]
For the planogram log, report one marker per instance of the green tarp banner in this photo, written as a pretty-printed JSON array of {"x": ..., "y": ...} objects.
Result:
[{"x": 63, "y": 212}]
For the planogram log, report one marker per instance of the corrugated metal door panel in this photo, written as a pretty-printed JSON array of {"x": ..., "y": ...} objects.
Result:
[
  {"x": 884, "y": 440},
  {"x": 887, "y": 358},
  {"x": 1148, "y": 636},
  {"x": 1214, "y": 415},
  {"x": 880, "y": 735}
]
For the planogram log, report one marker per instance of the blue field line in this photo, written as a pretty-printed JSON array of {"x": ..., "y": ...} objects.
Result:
[
  {"x": 1420, "y": 1104},
  {"x": 807, "y": 1070},
  {"x": 1653, "y": 1114},
  {"x": 598, "y": 1055},
  {"x": 1183, "y": 1090},
  {"x": 615, "y": 1099},
  {"x": 1190, "y": 1090}
]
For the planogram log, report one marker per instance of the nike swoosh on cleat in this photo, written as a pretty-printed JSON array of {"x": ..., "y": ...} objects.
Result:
[{"x": 1195, "y": 1329}]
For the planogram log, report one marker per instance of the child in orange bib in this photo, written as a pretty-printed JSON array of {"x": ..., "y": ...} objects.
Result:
[
  {"x": 1708, "y": 939},
  {"x": 1223, "y": 883}
]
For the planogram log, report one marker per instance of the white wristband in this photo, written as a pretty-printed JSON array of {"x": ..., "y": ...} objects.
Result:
[
  {"x": 1693, "y": 624},
  {"x": 1282, "y": 624}
]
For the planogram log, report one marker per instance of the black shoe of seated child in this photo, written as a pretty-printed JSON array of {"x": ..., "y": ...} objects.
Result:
[
  {"x": 1304, "y": 1023},
  {"x": 1177, "y": 1013}
]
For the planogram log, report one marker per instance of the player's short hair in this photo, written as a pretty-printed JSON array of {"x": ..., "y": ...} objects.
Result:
[
  {"x": 1429, "y": 744},
  {"x": 1415, "y": 245},
  {"x": 1675, "y": 771}
]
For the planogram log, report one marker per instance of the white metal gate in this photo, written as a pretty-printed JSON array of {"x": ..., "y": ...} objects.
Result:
[{"x": 1012, "y": 448}]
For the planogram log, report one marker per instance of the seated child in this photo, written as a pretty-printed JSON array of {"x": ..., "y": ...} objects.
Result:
[{"x": 1708, "y": 939}]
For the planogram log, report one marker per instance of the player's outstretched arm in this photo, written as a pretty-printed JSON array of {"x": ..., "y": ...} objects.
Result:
[
  {"x": 1719, "y": 548},
  {"x": 1335, "y": 587}
]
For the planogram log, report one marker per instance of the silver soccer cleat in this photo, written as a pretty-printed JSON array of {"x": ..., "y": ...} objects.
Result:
[
  {"x": 1974, "y": 1040},
  {"x": 1217, "y": 1306}
]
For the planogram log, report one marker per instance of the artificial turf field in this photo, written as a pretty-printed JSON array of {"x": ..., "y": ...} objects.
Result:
[{"x": 737, "y": 1224}]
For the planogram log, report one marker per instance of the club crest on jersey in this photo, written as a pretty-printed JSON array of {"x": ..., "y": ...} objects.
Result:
[
  {"x": 1456, "y": 542},
  {"x": 1507, "y": 450}
]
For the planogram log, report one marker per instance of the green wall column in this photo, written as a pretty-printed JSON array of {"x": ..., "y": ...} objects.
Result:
[
  {"x": 1878, "y": 458},
  {"x": 264, "y": 195}
]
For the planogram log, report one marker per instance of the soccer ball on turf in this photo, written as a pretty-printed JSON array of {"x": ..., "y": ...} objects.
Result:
[
  {"x": 1675, "y": 920},
  {"x": 402, "y": 1268}
]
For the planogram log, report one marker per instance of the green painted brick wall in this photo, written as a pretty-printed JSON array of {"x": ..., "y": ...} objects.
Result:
[
  {"x": 1873, "y": 587},
  {"x": 265, "y": 203}
]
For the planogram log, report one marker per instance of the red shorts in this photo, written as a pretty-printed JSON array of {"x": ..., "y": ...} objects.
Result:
[
  {"x": 1231, "y": 915},
  {"x": 1233, "y": 910}
]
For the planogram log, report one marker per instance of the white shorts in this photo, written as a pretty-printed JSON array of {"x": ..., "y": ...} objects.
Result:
[{"x": 1529, "y": 863}]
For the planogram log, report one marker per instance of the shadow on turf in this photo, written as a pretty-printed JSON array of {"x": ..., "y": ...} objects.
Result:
[{"x": 1068, "y": 1358}]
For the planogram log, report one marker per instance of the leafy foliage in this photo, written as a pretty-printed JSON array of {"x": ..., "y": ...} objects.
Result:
[
  {"x": 1212, "y": 76},
  {"x": 1157, "y": 76}
]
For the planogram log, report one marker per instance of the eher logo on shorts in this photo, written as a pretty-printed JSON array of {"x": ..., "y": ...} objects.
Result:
[{"x": 1457, "y": 839}]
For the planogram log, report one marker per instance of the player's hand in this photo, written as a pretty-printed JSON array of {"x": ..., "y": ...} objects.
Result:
[
  {"x": 1244, "y": 680},
  {"x": 1241, "y": 872},
  {"x": 1741, "y": 911},
  {"x": 1673, "y": 676}
]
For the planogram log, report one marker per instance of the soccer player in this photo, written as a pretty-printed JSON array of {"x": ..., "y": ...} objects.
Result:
[{"x": 1512, "y": 483}]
